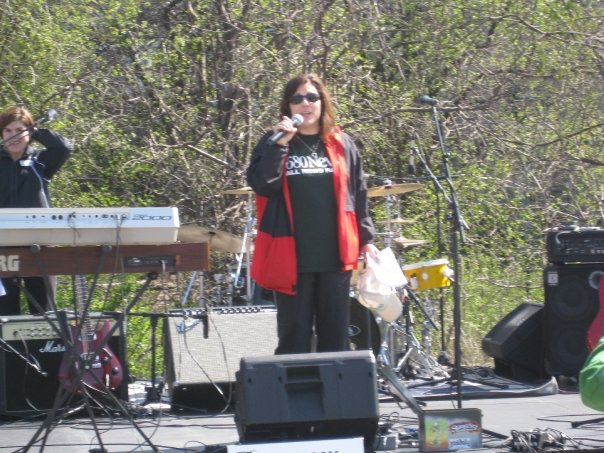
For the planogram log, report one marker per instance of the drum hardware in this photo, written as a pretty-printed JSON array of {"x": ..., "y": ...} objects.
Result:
[
  {"x": 240, "y": 191},
  {"x": 400, "y": 240},
  {"x": 389, "y": 204},
  {"x": 364, "y": 333},
  {"x": 363, "y": 329},
  {"x": 246, "y": 246},
  {"x": 388, "y": 372},
  {"x": 393, "y": 189},
  {"x": 390, "y": 236},
  {"x": 404, "y": 242},
  {"x": 201, "y": 285},
  {"x": 411, "y": 359},
  {"x": 396, "y": 386},
  {"x": 221, "y": 280},
  {"x": 218, "y": 240},
  {"x": 397, "y": 220}
]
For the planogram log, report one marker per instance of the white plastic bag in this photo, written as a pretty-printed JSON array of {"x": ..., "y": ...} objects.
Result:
[
  {"x": 378, "y": 283},
  {"x": 387, "y": 269}
]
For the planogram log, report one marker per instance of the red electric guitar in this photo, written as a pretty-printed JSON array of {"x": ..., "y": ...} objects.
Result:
[
  {"x": 100, "y": 369},
  {"x": 596, "y": 329}
]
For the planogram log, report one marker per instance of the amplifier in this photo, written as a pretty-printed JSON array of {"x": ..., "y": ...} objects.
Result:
[
  {"x": 202, "y": 352},
  {"x": 575, "y": 245},
  {"x": 31, "y": 353}
]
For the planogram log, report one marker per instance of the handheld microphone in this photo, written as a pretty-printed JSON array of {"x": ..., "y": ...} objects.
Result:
[
  {"x": 427, "y": 100},
  {"x": 297, "y": 119}
]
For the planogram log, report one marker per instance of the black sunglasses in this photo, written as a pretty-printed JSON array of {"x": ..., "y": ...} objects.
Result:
[{"x": 298, "y": 98}]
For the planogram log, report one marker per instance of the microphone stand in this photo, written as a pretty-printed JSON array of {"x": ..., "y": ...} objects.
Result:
[
  {"x": 41, "y": 194},
  {"x": 154, "y": 391},
  {"x": 457, "y": 238},
  {"x": 443, "y": 357}
]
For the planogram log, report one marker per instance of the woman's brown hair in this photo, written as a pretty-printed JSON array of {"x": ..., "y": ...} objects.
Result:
[
  {"x": 327, "y": 120},
  {"x": 15, "y": 113}
]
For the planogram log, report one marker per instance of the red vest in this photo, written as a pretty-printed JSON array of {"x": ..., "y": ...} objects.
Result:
[{"x": 274, "y": 261}]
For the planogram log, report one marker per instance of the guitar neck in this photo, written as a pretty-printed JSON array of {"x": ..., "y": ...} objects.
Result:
[{"x": 82, "y": 308}]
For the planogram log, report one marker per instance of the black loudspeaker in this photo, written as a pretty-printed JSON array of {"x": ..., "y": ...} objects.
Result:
[
  {"x": 306, "y": 396},
  {"x": 571, "y": 303},
  {"x": 202, "y": 355},
  {"x": 516, "y": 343},
  {"x": 31, "y": 353}
]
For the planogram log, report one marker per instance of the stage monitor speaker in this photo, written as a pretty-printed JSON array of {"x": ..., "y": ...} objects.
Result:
[
  {"x": 571, "y": 303},
  {"x": 516, "y": 343},
  {"x": 31, "y": 353},
  {"x": 202, "y": 355},
  {"x": 303, "y": 396}
]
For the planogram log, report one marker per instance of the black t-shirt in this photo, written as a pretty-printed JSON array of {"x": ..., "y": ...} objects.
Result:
[{"x": 310, "y": 179}]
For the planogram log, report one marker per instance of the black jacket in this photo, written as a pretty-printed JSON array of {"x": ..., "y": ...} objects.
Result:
[
  {"x": 19, "y": 183},
  {"x": 274, "y": 265}
]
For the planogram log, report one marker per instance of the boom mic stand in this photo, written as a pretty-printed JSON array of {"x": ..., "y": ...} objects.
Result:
[
  {"x": 457, "y": 237},
  {"x": 154, "y": 391}
]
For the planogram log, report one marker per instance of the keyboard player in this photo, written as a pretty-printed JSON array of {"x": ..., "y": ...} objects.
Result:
[{"x": 25, "y": 171}]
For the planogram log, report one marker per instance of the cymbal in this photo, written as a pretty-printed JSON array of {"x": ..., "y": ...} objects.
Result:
[
  {"x": 409, "y": 242},
  {"x": 218, "y": 240},
  {"x": 241, "y": 191},
  {"x": 396, "y": 220},
  {"x": 393, "y": 189}
]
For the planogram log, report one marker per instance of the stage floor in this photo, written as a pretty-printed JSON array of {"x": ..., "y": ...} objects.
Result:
[{"x": 195, "y": 431}]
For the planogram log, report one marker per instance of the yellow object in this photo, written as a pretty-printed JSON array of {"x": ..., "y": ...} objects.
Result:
[{"x": 428, "y": 274}]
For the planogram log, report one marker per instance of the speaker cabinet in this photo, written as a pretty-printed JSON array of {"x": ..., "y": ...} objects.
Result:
[
  {"x": 516, "y": 343},
  {"x": 304, "y": 396},
  {"x": 202, "y": 355},
  {"x": 31, "y": 353},
  {"x": 571, "y": 303}
]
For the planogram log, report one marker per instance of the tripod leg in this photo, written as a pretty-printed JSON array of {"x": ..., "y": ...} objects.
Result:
[
  {"x": 153, "y": 393},
  {"x": 414, "y": 361},
  {"x": 398, "y": 388},
  {"x": 387, "y": 373},
  {"x": 78, "y": 382}
]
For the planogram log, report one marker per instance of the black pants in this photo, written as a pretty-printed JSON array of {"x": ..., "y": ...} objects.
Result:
[
  {"x": 322, "y": 301},
  {"x": 10, "y": 303}
]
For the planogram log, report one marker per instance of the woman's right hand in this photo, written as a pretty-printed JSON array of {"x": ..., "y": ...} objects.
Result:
[{"x": 286, "y": 125}]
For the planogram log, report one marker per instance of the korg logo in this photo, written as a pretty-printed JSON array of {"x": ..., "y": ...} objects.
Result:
[{"x": 9, "y": 263}]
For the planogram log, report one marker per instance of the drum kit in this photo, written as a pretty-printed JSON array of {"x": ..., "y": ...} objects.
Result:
[
  {"x": 393, "y": 340},
  {"x": 233, "y": 286}
]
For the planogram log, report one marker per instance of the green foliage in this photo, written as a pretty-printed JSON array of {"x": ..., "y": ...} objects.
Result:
[{"x": 165, "y": 102}]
